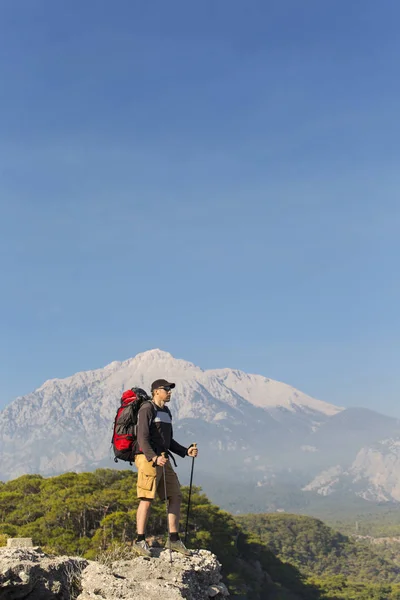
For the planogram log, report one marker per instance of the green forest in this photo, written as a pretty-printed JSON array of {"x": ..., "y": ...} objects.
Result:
[
  {"x": 338, "y": 565},
  {"x": 264, "y": 556}
]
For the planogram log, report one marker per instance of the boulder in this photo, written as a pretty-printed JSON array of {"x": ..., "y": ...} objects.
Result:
[
  {"x": 30, "y": 573},
  {"x": 19, "y": 543},
  {"x": 153, "y": 578}
]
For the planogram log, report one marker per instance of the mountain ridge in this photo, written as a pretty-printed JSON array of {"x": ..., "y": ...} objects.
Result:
[
  {"x": 85, "y": 403},
  {"x": 260, "y": 428}
]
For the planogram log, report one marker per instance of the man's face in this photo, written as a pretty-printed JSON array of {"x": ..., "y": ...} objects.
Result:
[{"x": 164, "y": 393}]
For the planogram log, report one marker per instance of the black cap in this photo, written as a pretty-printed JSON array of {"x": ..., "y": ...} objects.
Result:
[{"x": 159, "y": 383}]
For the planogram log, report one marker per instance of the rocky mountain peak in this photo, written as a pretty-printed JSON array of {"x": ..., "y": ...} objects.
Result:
[
  {"x": 66, "y": 423},
  {"x": 244, "y": 423}
]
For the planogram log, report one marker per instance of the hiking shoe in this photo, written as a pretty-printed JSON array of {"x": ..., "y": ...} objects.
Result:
[
  {"x": 142, "y": 548},
  {"x": 178, "y": 546}
]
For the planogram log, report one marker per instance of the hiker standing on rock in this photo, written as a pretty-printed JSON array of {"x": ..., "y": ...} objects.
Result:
[{"x": 155, "y": 437}]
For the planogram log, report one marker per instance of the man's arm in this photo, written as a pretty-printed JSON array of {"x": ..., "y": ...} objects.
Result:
[
  {"x": 145, "y": 416},
  {"x": 177, "y": 448}
]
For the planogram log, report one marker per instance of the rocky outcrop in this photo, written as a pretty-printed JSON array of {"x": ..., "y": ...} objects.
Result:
[
  {"x": 27, "y": 573},
  {"x": 32, "y": 574}
]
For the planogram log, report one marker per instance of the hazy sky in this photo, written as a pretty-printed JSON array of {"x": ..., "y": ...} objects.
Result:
[{"x": 219, "y": 179}]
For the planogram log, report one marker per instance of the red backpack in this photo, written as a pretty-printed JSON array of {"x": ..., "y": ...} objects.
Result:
[{"x": 124, "y": 440}]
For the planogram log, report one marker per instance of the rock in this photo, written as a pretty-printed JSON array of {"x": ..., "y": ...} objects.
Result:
[
  {"x": 19, "y": 543},
  {"x": 219, "y": 589},
  {"x": 29, "y": 572},
  {"x": 150, "y": 579}
]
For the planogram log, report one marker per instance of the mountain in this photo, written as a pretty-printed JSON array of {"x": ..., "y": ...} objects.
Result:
[
  {"x": 374, "y": 474},
  {"x": 252, "y": 430},
  {"x": 348, "y": 431},
  {"x": 66, "y": 423}
]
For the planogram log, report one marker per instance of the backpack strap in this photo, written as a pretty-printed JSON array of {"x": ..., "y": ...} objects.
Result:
[
  {"x": 154, "y": 409},
  {"x": 135, "y": 426}
]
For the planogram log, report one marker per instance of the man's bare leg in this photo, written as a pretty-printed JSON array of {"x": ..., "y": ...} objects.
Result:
[
  {"x": 142, "y": 516},
  {"x": 174, "y": 510},
  {"x": 174, "y": 513}
]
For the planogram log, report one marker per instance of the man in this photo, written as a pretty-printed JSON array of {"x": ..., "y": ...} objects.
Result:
[{"x": 155, "y": 437}]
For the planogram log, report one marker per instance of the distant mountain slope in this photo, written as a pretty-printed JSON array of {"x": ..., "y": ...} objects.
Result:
[
  {"x": 374, "y": 474},
  {"x": 270, "y": 394}
]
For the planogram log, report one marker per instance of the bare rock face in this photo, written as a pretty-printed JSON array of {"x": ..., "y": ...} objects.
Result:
[
  {"x": 31, "y": 574},
  {"x": 154, "y": 578}
]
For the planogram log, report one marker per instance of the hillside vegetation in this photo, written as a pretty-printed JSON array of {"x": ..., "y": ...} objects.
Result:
[
  {"x": 274, "y": 557},
  {"x": 335, "y": 563},
  {"x": 91, "y": 514},
  {"x": 379, "y": 521}
]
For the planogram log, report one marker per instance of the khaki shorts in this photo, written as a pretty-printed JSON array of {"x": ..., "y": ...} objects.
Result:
[{"x": 151, "y": 480}]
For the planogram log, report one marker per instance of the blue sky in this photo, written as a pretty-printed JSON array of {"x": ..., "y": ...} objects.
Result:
[{"x": 217, "y": 179}]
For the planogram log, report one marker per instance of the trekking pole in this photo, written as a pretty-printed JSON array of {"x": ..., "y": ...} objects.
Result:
[
  {"x": 190, "y": 495},
  {"x": 164, "y": 454}
]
